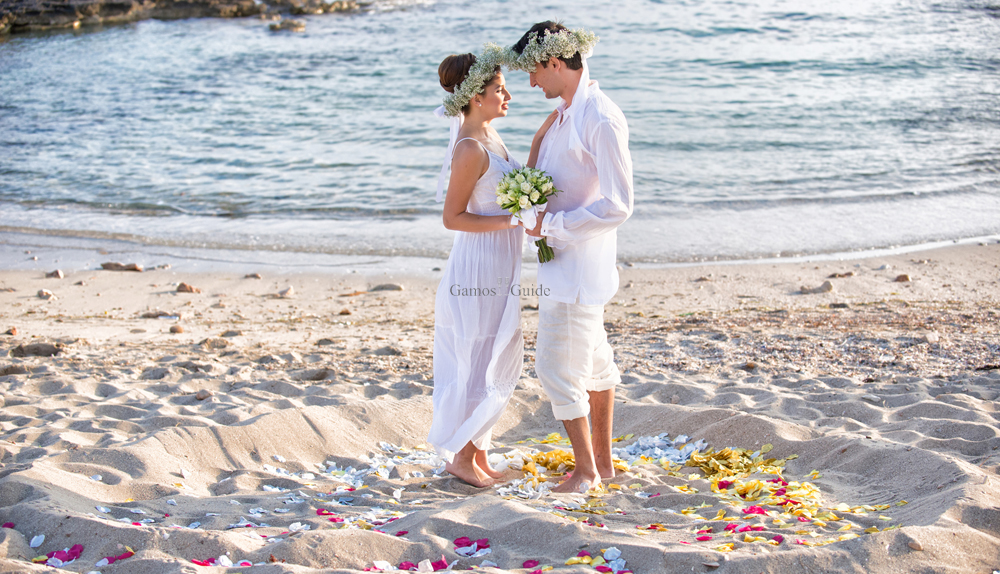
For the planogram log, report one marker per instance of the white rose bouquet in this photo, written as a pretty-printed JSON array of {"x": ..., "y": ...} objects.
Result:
[{"x": 524, "y": 193}]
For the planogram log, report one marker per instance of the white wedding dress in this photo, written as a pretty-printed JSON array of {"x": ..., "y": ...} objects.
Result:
[{"x": 478, "y": 344}]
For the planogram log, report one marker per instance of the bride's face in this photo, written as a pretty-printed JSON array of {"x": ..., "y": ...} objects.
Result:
[{"x": 494, "y": 98}]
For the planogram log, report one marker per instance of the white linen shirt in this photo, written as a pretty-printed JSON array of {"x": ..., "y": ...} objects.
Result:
[{"x": 586, "y": 153}]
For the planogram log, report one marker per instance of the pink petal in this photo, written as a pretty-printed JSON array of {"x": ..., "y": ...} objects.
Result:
[
  {"x": 483, "y": 543},
  {"x": 603, "y": 568},
  {"x": 682, "y": 542},
  {"x": 583, "y": 553},
  {"x": 406, "y": 565},
  {"x": 7, "y": 525},
  {"x": 402, "y": 532},
  {"x": 703, "y": 538},
  {"x": 463, "y": 542},
  {"x": 725, "y": 484},
  {"x": 731, "y": 526},
  {"x": 803, "y": 519},
  {"x": 441, "y": 564},
  {"x": 779, "y": 539},
  {"x": 530, "y": 563}
]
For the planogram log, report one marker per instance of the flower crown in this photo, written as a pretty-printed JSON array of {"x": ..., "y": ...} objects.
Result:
[
  {"x": 562, "y": 44},
  {"x": 481, "y": 72}
]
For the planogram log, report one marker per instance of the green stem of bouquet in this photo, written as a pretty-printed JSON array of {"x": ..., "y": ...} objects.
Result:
[{"x": 545, "y": 252}]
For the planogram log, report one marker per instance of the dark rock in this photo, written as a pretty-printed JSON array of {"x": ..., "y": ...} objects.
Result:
[
  {"x": 113, "y": 266},
  {"x": 37, "y": 350},
  {"x": 203, "y": 394},
  {"x": 185, "y": 288},
  {"x": 387, "y": 287},
  {"x": 13, "y": 370},
  {"x": 345, "y": 311},
  {"x": 57, "y": 274},
  {"x": 839, "y": 305},
  {"x": 842, "y": 275},
  {"x": 12, "y": 331},
  {"x": 253, "y": 276},
  {"x": 903, "y": 278},
  {"x": 176, "y": 329},
  {"x": 287, "y": 24},
  {"x": 156, "y": 314},
  {"x": 388, "y": 352},
  {"x": 232, "y": 333}
]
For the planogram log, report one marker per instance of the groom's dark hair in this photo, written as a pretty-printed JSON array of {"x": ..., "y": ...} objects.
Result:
[{"x": 574, "y": 62}]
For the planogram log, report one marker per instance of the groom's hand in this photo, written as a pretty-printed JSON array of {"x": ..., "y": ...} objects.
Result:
[{"x": 537, "y": 230}]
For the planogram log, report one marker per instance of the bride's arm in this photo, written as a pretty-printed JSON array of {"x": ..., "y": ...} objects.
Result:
[
  {"x": 536, "y": 142},
  {"x": 468, "y": 165}
]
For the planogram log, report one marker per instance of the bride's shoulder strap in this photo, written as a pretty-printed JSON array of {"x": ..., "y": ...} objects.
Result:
[{"x": 463, "y": 139}]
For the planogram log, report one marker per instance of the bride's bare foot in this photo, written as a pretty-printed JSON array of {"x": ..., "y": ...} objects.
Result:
[
  {"x": 468, "y": 471},
  {"x": 578, "y": 483},
  {"x": 483, "y": 464}
]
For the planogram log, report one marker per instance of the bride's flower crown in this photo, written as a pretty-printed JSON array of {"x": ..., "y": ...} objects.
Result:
[
  {"x": 563, "y": 45},
  {"x": 481, "y": 72}
]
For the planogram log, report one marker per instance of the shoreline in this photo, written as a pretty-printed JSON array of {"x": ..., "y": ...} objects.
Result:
[
  {"x": 75, "y": 250},
  {"x": 177, "y": 445}
]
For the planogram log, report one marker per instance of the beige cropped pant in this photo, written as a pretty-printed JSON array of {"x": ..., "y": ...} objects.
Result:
[{"x": 573, "y": 356}]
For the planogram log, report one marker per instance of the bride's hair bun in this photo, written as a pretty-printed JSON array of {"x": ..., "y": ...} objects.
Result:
[{"x": 454, "y": 69}]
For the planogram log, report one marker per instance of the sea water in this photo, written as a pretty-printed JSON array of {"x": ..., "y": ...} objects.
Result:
[{"x": 757, "y": 129}]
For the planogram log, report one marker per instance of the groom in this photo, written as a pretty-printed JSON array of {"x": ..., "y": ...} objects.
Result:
[{"x": 586, "y": 152}]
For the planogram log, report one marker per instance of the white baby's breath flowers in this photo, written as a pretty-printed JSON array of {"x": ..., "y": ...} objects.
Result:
[
  {"x": 563, "y": 44},
  {"x": 481, "y": 72}
]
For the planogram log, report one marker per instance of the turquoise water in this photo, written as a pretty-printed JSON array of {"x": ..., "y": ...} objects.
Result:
[{"x": 757, "y": 128}]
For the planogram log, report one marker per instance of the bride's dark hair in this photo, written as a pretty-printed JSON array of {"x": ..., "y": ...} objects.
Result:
[{"x": 453, "y": 71}]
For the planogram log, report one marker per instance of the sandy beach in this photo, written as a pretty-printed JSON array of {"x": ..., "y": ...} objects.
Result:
[{"x": 248, "y": 428}]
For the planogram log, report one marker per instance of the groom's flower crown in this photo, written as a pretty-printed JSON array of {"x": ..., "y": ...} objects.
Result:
[
  {"x": 481, "y": 72},
  {"x": 563, "y": 45}
]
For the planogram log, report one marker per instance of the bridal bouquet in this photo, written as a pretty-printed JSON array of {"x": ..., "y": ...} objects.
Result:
[{"x": 524, "y": 193}]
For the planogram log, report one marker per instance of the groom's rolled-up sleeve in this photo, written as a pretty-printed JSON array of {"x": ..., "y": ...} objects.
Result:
[{"x": 614, "y": 170}]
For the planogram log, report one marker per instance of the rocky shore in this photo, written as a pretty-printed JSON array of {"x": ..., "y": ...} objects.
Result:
[{"x": 18, "y": 16}]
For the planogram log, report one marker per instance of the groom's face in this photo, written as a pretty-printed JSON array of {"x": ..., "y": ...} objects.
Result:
[{"x": 547, "y": 78}]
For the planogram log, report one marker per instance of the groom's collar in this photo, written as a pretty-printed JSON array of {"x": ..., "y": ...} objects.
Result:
[{"x": 583, "y": 92}]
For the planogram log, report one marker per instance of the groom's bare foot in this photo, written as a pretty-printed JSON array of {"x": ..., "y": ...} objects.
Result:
[
  {"x": 483, "y": 465},
  {"x": 578, "y": 483},
  {"x": 607, "y": 473},
  {"x": 468, "y": 471}
]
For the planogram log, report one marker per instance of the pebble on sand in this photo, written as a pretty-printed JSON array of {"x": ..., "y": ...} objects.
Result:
[
  {"x": 902, "y": 278},
  {"x": 12, "y": 331},
  {"x": 203, "y": 394},
  {"x": 253, "y": 276},
  {"x": 185, "y": 288},
  {"x": 286, "y": 293},
  {"x": 47, "y": 295},
  {"x": 176, "y": 329},
  {"x": 115, "y": 266},
  {"x": 345, "y": 311},
  {"x": 57, "y": 274},
  {"x": 232, "y": 333},
  {"x": 387, "y": 287},
  {"x": 826, "y": 287},
  {"x": 915, "y": 545}
]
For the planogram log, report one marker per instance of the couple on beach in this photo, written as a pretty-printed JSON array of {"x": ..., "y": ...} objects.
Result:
[{"x": 478, "y": 343}]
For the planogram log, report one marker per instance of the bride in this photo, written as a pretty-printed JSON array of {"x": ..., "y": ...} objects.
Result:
[{"x": 478, "y": 344}]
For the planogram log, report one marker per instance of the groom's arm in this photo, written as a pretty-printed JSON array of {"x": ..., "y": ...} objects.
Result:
[{"x": 614, "y": 171}]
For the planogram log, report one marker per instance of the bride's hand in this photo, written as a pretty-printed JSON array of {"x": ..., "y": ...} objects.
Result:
[
  {"x": 536, "y": 142},
  {"x": 540, "y": 134}
]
